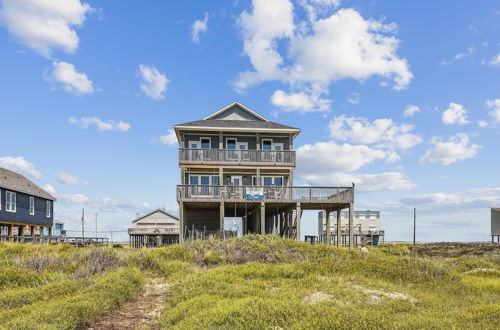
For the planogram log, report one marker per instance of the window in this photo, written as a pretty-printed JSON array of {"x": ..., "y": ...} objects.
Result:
[
  {"x": 231, "y": 144},
  {"x": 273, "y": 181},
  {"x": 205, "y": 180},
  {"x": 10, "y": 201},
  {"x": 255, "y": 181},
  {"x": 32, "y": 205},
  {"x": 48, "y": 213},
  {"x": 205, "y": 143},
  {"x": 267, "y": 144},
  {"x": 193, "y": 179}
]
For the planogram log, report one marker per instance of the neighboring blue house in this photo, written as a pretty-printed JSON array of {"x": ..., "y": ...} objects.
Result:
[{"x": 25, "y": 208}]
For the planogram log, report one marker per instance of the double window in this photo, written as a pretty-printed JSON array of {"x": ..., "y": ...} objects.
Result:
[
  {"x": 49, "y": 209},
  {"x": 268, "y": 181},
  {"x": 10, "y": 201},
  {"x": 236, "y": 150},
  {"x": 32, "y": 205}
]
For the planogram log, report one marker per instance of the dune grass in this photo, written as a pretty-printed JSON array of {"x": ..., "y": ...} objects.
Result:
[{"x": 256, "y": 282}]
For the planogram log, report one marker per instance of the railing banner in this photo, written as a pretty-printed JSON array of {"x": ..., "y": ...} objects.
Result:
[{"x": 253, "y": 193}]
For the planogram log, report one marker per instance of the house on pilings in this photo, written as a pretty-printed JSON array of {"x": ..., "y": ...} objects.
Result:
[{"x": 236, "y": 173}]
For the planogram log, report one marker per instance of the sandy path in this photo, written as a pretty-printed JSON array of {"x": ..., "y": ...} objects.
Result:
[{"x": 142, "y": 312}]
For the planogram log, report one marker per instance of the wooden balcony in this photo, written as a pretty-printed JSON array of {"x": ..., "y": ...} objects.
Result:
[
  {"x": 273, "y": 194},
  {"x": 236, "y": 157}
]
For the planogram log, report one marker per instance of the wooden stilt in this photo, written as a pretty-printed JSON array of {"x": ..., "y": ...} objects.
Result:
[
  {"x": 262, "y": 218},
  {"x": 327, "y": 230},
  {"x": 339, "y": 228},
  {"x": 351, "y": 220}
]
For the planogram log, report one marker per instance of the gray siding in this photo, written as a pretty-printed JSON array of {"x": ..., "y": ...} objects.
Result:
[
  {"x": 250, "y": 138},
  {"x": 235, "y": 113}
]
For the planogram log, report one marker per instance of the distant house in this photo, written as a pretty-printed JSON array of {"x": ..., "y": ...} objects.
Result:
[
  {"x": 58, "y": 228},
  {"x": 366, "y": 225},
  {"x": 157, "y": 228},
  {"x": 495, "y": 224},
  {"x": 26, "y": 210}
]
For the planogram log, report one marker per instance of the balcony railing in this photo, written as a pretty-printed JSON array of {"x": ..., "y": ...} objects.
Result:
[
  {"x": 265, "y": 193},
  {"x": 212, "y": 156}
]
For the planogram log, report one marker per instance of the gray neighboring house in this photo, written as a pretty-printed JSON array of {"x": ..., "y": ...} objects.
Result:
[
  {"x": 236, "y": 178},
  {"x": 157, "y": 228},
  {"x": 367, "y": 226},
  {"x": 495, "y": 224}
]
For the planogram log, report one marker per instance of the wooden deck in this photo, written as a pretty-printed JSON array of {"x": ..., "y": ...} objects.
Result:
[{"x": 270, "y": 194}]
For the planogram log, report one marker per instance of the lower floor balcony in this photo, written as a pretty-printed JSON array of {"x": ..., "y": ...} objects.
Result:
[{"x": 276, "y": 194}]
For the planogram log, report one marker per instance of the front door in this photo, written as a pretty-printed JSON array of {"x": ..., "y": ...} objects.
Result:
[{"x": 236, "y": 190}]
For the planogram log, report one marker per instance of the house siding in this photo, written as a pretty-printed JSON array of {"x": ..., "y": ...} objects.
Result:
[
  {"x": 22, "y": 214},
  {"x": 250, "y": 138}
]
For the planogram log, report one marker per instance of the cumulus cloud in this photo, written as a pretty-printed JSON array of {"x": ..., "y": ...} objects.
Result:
[
  {"x": 71, "y": 80},
  {"x": 300, "y": 102},
  {"x": 50, "y": 189},
  {"x": 169, "y": 139},
  {"x": 455, "y": 114},
  {"x": 154, "y": 83},
  {"x": 364, "y": 182},
  {"x": 101, "y": 125},
  {"x": 382, "y": 132},
  {"x": 319, "y": 51},
  {"x": 103, "y": 204},
  {"x": 411, "y": 110},
  {"x": 446, "y": 152},
  {"x": 495, "y": 61},
  {"x": 44, "y": 25},
  {"x": 494, "y": 106},
  {"x": 198, "y": 27},
  {"x": 67, "y": 178},
  {"x": 329, "y": 163},
  {"x": 20, "y": 165}
]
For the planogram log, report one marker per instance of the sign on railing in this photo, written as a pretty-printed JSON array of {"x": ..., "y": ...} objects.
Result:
[{"x": 254, "y": 193}]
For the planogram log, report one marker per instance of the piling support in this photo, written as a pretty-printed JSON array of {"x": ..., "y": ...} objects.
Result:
[{"x": 327, "y": 230}]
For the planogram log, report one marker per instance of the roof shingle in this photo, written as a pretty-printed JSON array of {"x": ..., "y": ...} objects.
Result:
[{"x": 17, "y": 182}]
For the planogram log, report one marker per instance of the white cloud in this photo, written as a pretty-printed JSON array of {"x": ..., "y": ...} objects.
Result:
[
  {"x": 67, "y": 178},
  {"x": 447, "y": 203},
  {"x": 329, "y": 163},
  {"x": 383, "y": 132},
  {"x": 198, "y": 27},
  {"x": 101, "y": 125},
  {"x": 154, "y": 83},
  {"x": 354, "y": 98},
  {"x": 364, "y": 182},
  {"x": 482, "y": 123},
  {"x": 104, "y": 204},
  {"x": 411, "y": 110},
  {"x": 44, "y": 25},
  {"x": 314, "y": 8},
  {"x": 169, "y": 139},
  {"x": 71, "y": 80},
  {"x": 20, "y": 165},
  {"x": 495, "y": 61},
  {"x": 456, "y": 148},
  {"x": 50, "y": 189},
  {"x": 455, "y": 114},
  {"x": 300, "y": 102},
  {"x": 330, "y": 157},
  {"x": 317, "y": 52},
  {"x": 494, "y": 105}
]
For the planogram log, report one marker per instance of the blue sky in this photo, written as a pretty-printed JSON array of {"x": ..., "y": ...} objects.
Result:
[{"x": 90, "y": 91}]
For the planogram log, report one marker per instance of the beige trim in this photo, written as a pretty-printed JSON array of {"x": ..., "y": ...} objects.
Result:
[{"x": 227, "y": 107}]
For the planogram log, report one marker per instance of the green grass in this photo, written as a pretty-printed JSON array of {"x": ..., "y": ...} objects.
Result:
[{"x": 256, "y": 282}]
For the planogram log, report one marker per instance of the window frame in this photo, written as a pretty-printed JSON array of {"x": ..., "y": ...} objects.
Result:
[
  {"x": 209, "y": 142},
  {"x": 48, "y": 209},
  {"x": 262, "y": 144},
  {"x": 32, "y": 205},
  {"x": 9, "y": 203}
]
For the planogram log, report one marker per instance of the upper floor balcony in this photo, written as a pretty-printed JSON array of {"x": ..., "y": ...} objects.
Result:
[{"x": 190, "y": 156}]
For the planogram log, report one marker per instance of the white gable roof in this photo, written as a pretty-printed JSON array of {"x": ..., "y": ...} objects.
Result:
[
  {"x": 157, "y": 216},
  {"x": 239, "y": 105}
]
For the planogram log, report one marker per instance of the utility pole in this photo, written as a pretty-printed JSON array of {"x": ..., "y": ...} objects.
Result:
[
  {"x": 83, "y": 226},
  {"x": 414, "y": 224},
  {"x": 96, "y": 214}
]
